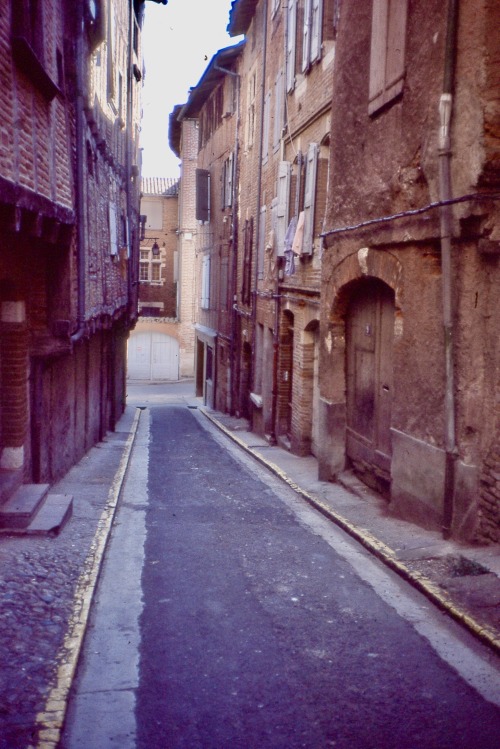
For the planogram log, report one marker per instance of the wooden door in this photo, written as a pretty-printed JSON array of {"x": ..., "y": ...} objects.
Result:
[{"x": 370, "y": 330}]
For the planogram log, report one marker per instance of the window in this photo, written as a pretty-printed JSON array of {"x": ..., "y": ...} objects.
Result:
[
  {"x": 262, "y": 238},
  {"x": 111, "y": 47},
  {"x": 113, "y": 230},
  {"x": 28, "y": 44},
  {"x": 282, "y": 205},
  {"x": 252, "y": 88},
  {"x": 144, "y": 266},
  {"x": 278, "y": 111},
  {"x": 311, "y": 36},
  {"x": 247, "y": 261},
  {"x": 227, "y": 182},
  {"x": 153, "y": 211},
  {"x": 224, "y": 284},
  {"x": 202, "y": 195},
  {"x": 205, "y": 282},
  {"x": 387, "y": 56},
  {"x": 149, "y": 266},
  {"x": 309, "y": 198},
  {"x": 94, "y": 21},
  {"x": 291, "y": 44}
]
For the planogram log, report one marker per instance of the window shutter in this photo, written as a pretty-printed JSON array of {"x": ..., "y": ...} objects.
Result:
[
  {"x": 202, "y": 195},
  {"x": 262, "y": 237},
  {"x": 247, "y": 262},
  {"x": 205, "y": 282},
  {"x": 387, "y": 55},
  {"x": 291, "y": 45},
  {"x": 306, "y": 36},
  {"x": 396, "y": 42},
  {"x": 309, "y": 198},
  {"x": 278, "y": 110},
  {"x": 316, "y": 27},
  {"x": 282, "y": 208},
  {"x": 113, "y": 232}
]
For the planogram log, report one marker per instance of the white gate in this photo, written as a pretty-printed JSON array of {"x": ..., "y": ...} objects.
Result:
[{"x": 153, "y": 356}]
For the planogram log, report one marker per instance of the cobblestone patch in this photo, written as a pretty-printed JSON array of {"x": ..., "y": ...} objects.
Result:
[{"x": 36, "y": 593}]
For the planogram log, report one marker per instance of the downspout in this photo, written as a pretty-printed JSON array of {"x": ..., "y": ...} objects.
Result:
[
  {"x": 445, "y": 194},
  {"x": 234, "y": 239},
  {"x": 277, "y": 310},
  {"x": 131, "y": 286},
  {"x": 80, "y": 175},
  {"x": 259, "y": 198}
]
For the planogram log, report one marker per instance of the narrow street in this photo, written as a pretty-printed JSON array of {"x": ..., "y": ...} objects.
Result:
[{"x": 230, "y": 615}]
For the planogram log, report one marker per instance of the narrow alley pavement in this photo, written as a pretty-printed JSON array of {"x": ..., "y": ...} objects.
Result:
[
  {"x": 197, "y": 599},
  {"x": 232, "y": 615}
]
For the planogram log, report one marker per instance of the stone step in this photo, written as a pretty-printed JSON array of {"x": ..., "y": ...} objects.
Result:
[
  {"x": 50, "y": 518},
  {"x": 19, "y": 510}
]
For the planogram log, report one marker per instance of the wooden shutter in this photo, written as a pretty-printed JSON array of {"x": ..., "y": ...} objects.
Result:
[
  {"x": 205, "y": 282},
  {"x": 262, "y": 237},
  {"x": 309, "y": 198},
  {"x": 113, "y": 230},
  {"x": 278, "y": 110},
  {"x": 282, "y": 208},
  {"x": 316, "y": 28},
  {"x": 202, "y": 195},
  {"x": 387, "y": 56},
  {"x": 247, "y": 262},
  {"x": 291, "y": 45},
  {"x": 306, "y": 35}
]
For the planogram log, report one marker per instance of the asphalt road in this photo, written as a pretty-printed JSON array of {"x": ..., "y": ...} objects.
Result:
[{"x": 231, "y": 616}]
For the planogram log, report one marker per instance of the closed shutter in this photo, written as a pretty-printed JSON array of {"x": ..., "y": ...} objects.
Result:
[
  {"x": 291, "y": 45},
  {"x": 205, "y": 282},
  {"x": 316, "y": 27},
  {"x": 282, "y": 208},
  {"x": 262, "y": 237},
  {"x": 202, "y": 195},
  {"x": 309, "y": 198},
  {"x": 387, "y": 56},
  {"x": 278, "y": 110},
  {"x": 306, "y": 35},
  {"x": 113, "y": 233}
]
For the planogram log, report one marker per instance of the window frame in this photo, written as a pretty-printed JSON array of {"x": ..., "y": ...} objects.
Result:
[{"x": 148, "y": 261}]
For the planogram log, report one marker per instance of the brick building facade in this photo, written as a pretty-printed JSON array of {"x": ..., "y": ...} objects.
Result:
[
  {"x": 69, "y": 209},
  {"x": 365, "y": 243}
]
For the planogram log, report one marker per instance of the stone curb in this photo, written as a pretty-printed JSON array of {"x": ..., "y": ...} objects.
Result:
[
  {"x": 49, "y": 723},
  {"x": 372, "y": 544}
]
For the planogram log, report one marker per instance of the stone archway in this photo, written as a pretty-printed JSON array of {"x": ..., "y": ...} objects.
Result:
[{"x": 363, "y": 269}]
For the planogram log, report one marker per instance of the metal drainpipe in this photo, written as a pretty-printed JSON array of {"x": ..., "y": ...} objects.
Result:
[
  {"x": 234, "y": 239},
  {"x": 259, "y": 198},
  {"x": 128, "y": 166},
  {"x": 80, "y": 176},
  {"x": 445, "y": 112},
  {"x": 277, "y": 310}
]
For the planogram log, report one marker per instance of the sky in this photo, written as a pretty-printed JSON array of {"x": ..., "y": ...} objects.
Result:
[{"x": 178, "y": 42}]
